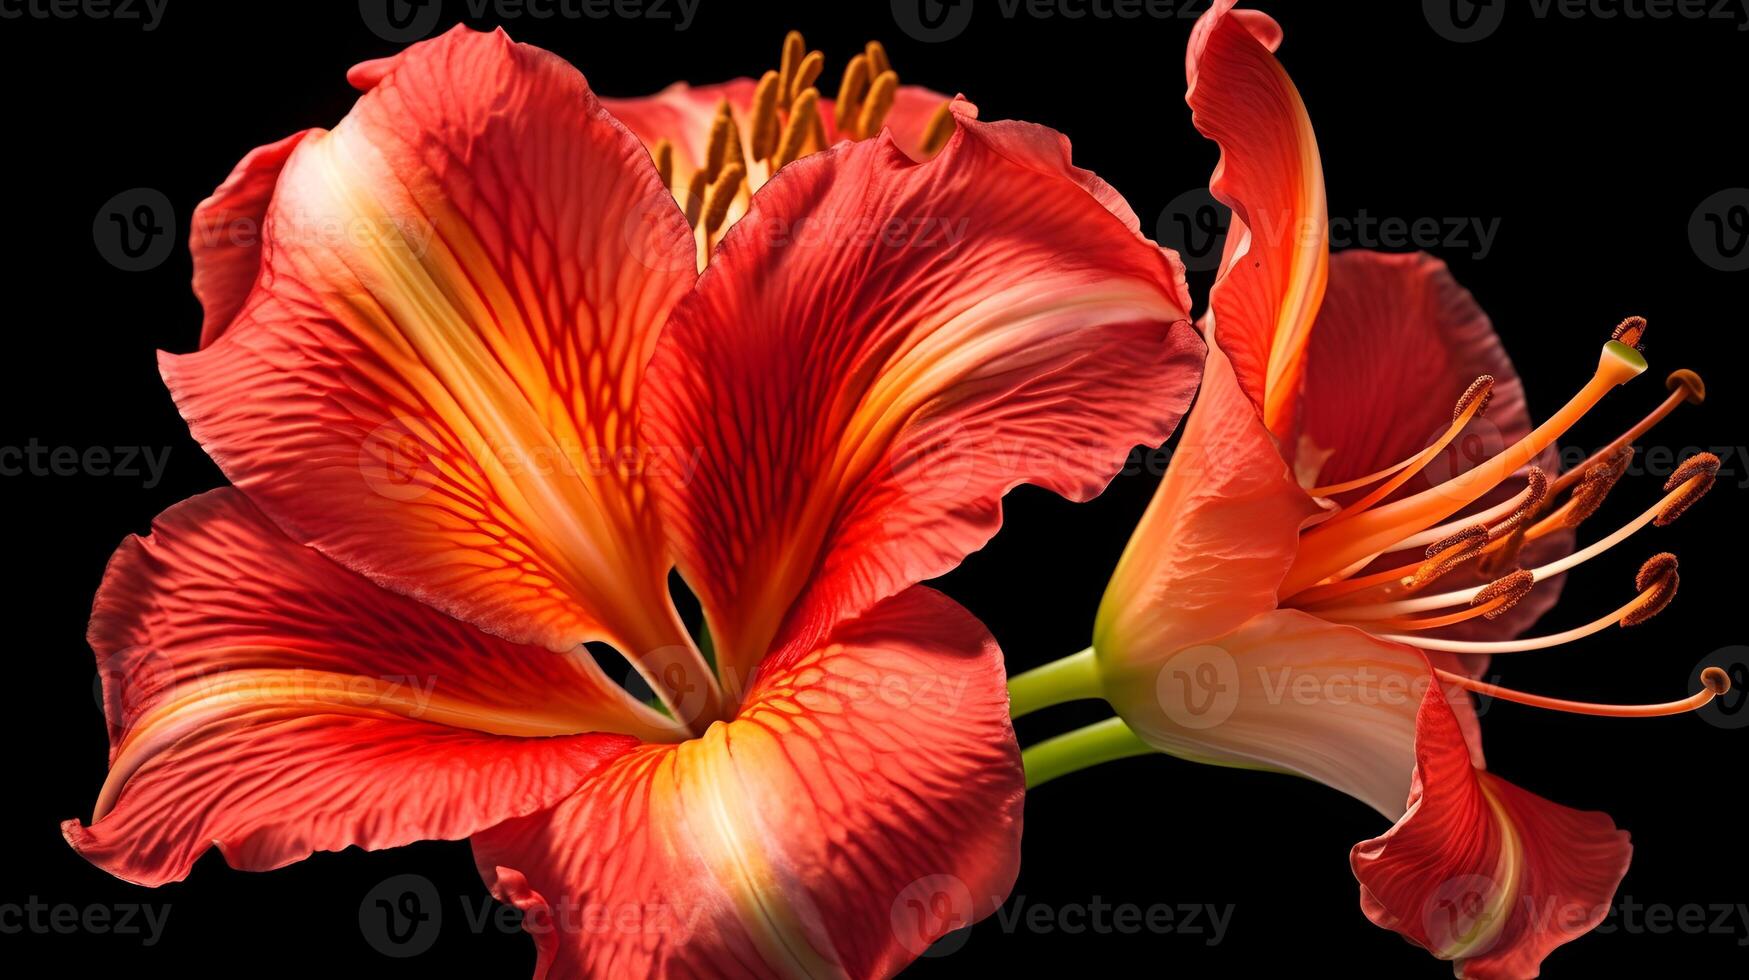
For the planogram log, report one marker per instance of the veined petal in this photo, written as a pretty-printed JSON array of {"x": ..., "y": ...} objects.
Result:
[
  {"x": 1398, "y": 341},
  {"x": 225, "y": 235},
  {"x": 1286, "y": 692},
  {"x": 436, "y": 378},
  {"x": 266, "y": 700},
  {"x": 1482, "y": 872},
  {"x": 882, "y": 348},
  {"x": 1221, "y": 532},
  {"x": 866, "y": 802},
  {"x": 1276, "y": 256}
]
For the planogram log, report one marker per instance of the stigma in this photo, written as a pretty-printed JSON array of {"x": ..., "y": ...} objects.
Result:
[{"x": 1379, "y": 561}]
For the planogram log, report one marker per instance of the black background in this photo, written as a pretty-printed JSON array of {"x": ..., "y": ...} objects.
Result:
[{"x": 1591, "y": 140}]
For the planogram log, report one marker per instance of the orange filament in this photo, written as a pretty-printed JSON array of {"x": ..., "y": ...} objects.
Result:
[
  {"x": 1714, "y": 683},
  {"x": 1491, "y": 602},
  {"x": 1332, "y": 546},
  {"x": 1684, "y": 386},
  {"x": 1331, "y": 603},
  {"x": 1657, "y": 586},
  {"x": 1472, "y": 403}
]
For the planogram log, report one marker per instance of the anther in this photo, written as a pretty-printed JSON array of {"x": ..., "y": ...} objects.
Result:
[
  {"x": 1445, "y": 555},
  {"x": 1594, "y": 486},
  {"x": 1695, "y": 475},
  {"x": 802, "y": 116},
  {"x": 850, "y": 91},
  {"x": 1536, "y": 490},
  {"x": 880, "y": 102},
  {"x": 794, "y": 49},
  {"x": 1716, "y": 681},
  {"x": 1482, "y": 388},
  {"x": 722, "y": 194},
  {"x": 717, "y": 149},
  {"x": 877, "y": 59},
  {"x": 664, "y": 154},
  {"x": 765, "y": 127},
  {"x": 1689, "y": 382},
  {"x": 1631, "y": 331},
  {"x": 807, "y": 73},
  {"x": 940, "y": 127},
  {"x": 1504, "y": 593},
  {"x": 1657, "y": 581}
]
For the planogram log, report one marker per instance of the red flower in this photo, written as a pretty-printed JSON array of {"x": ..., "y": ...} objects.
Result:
[
  {"x": 1320, "y": 579},
  {"x": 476, "y": 402}
]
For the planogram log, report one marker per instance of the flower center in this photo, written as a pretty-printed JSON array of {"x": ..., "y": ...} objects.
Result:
[
  {"x": 787, "y": 120},
  {"x": 1357, "y": 566}
]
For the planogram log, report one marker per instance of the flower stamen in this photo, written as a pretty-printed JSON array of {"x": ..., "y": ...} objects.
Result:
[
  {"x": 1332, "y": 546},
  {"x": 1471, "y": 404},
  {"x": 1656, "y": 583},
  {"x": 1714, "y": 683}
]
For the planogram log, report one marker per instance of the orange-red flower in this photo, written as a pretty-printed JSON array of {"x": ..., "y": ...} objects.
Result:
[
  {"x": 1320, "y": 579},
  {"x": 476, "y": 401}
]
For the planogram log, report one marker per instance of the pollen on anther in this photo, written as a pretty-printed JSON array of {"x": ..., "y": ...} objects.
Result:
[
  {"x": 1657, "y": 581},
  {"x": 1536, "y": 490},
  {"x": 1715, "y": 680},
  {"x": 1481, "y": 388},
  {"x": 1505, "y": 591},
  {"x": 1689, "y": 382},
  {"x": 1596, "y": 484},
  {"x": 1448, "y": 553},
  {"x": 1631, "y": 331},
  {"x": 1695, "y": 476}
]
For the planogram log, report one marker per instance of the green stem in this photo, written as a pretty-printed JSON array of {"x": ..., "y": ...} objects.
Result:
[
  {"x": 1073, "y": 678},
  {"x": 1101, "y": 741}
]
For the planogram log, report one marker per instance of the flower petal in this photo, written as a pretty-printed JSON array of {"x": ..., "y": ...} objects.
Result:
[
  {"x": 1221, "y": 532},
  {"x": 1398, "y": 341},
  {"x": 1482, "y": 872},
  {"x": 264, "y": 699},
  {"x": 436, "y": 379},
  {"x": 1286, "y": 692},
  {"x": 881, "y": 349},
  {"x": 1278, "y": 243},
  {"x": 225, "y": 235},
  {"x": 866, "y": 801}
]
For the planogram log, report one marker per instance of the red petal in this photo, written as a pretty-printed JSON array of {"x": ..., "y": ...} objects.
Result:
[
  {"x": 1481, "y": 871},
  {"x": 225, "y": 235},
  {"x": 1277, "y": 248},
  {"x": 435, "y": 380},
  {"x": 264, "y": 699},
  {"x": 866, "y": 801},
  {"x": 1221, "y": 532},
  {"x": 1398, "y": 341},
  {"x": 882, "y": 349}
]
